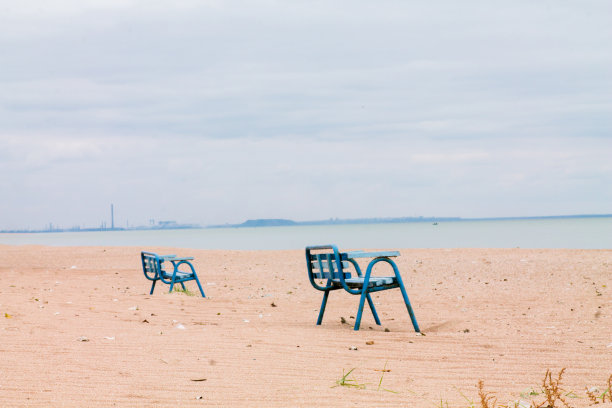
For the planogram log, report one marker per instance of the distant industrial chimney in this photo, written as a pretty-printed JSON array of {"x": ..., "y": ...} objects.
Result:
[{"x": 112, "y": 217}]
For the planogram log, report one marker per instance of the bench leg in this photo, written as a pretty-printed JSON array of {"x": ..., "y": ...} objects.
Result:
[
  {"x": 195, "y": 277},
  {"x": 409, "y": 307},
  {"x": 322, "y": 309},
  {"x": 152, "y": 287},
  {"x": 362, "y": 298},
  {"x": 373, "y": 309},
  {"x": 194, "y": 274}
]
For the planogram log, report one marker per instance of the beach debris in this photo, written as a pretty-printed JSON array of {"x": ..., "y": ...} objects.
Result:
[
  {"x": 163, "y": 361},
  {"x": 387, "y": 330},
  {"x": 260, "y": 316},
  {"x": 273, "y": 304},
  {"x": 109, "y": 338},
  {"x": 370, "y": 342},
  {"x": 245, "y": 320},
  {"x": 56, "y": 313},
  {"x": 353, "y": 348},
  {"x": 609, "y": 345},
  {"x": 211, "y": 283},
  {"x": 8, "y": 316},
  {"x": 115, "y": 300},
  {"x": 197, "y": 379},
  {"x": 83, "y": 338},
  {"x": 133, "y": 308},
  {"x": 73, "y": 267},
  {"x": 199, "y": 397},
  {"x": 145, "y": 321},
  {"x": 180, "y": 327},
  {"x": 420, "y": 334},
  {"x": 342, "y": 320}
]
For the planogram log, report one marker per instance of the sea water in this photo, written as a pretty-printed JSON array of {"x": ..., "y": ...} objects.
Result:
[{"x": 575, "y": 233}]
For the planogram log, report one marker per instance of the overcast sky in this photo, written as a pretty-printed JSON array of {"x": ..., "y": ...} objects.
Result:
[{"x": 216, "y": 112}]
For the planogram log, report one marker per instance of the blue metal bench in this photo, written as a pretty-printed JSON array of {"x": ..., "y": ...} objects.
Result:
[
  {"x": 333, "y": 267},
  {"x": 152, "y": 266}
]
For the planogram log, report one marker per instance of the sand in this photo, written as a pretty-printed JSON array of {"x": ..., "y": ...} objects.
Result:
[{"x": 503, "y": 316}]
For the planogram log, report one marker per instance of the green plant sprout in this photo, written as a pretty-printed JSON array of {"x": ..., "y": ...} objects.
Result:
[
  {"x": 184, "y": 291},
  {"x": 383, "y": 371},
  {"x": 344, "y": 381},
  {"x": 469, "y": 401}
]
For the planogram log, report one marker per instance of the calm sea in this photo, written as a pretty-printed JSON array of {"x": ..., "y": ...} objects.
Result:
[{"x": 578, "y": 233}]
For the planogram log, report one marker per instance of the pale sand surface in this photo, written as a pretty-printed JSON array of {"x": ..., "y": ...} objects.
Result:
[{"x": 503, "y": 316}]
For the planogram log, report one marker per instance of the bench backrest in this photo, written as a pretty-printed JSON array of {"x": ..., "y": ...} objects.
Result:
[
  {"x": 151, "y": 265},
  {"x": 326, "y": 265}
]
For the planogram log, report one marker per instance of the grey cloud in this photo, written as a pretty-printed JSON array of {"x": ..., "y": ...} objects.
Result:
[{"x": 468, "y": 109}]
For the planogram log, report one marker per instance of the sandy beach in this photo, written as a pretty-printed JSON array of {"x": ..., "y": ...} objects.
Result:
[{"x": 79, "y": 328}]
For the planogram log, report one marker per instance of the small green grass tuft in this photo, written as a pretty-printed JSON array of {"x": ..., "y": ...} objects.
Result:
[
  {"x": 383, "y": 371},
  {"x": 344, "y": 381},
  {"x": 184, "y": 291},
  {"x": 469, "y": 401},
  {"x": 443, "y": 404}
]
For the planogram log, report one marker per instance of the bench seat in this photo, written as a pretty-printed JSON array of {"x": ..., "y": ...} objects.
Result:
[
  {"x": 357, "y": 282},
  {"x": 179, "y": 275}
]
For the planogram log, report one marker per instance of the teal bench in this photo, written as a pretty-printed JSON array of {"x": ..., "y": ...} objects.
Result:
[
  {"x": 333, "y": 267},
  {"x": 152, "y": 266}
]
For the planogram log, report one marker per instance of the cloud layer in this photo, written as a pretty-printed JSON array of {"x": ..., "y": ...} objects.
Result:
[{"x": 214, "y": 112}]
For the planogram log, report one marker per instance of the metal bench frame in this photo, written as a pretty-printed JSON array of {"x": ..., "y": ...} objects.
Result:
[
  {"x": 333, "y": 267},
  {"x": 152, "y": 266}
]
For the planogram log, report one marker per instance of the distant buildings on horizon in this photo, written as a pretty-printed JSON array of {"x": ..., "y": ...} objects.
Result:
[{"x": 279, "y": 222}]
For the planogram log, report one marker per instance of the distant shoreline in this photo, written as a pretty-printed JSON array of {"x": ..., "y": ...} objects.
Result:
[
  {"x": 277, "y": 222},
  {"x": 392, "y": 220}
]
